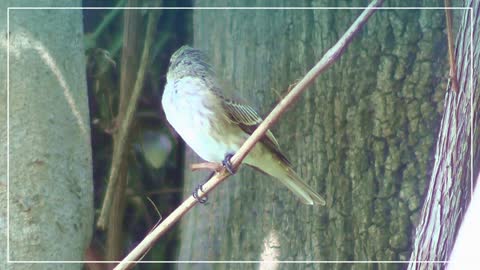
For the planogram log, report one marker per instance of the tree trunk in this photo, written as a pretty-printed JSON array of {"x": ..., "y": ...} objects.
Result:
[
  {"x": 50, "y": 176},
  {"x": 450, "y": 187},
  {"x": 362, "y": 135}
]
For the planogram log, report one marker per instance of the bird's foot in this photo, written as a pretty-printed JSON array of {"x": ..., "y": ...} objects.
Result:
[
  {"x": 228, "y": 164},
  {"x": 195, "y": 195}
]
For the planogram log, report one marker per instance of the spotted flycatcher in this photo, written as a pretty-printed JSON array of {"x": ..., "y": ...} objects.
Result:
[{"x": 215, "y": 126}]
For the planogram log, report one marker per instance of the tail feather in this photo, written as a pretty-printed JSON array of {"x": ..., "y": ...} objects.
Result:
[
  {"x": 294, "y": 183},
  {"x": 283, "y": 172}
]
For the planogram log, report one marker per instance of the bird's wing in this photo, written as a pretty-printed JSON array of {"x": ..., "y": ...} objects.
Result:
[{"x": 248, "y": 120}]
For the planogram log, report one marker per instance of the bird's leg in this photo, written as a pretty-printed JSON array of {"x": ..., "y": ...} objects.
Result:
[
  {"x": 200, "y": 187},
  {"x": 228, "y": 165},
  {"x": 211, "y": 166}
]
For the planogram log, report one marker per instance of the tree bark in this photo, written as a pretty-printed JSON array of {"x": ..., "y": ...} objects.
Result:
[
  {"x": 362, "y": 136},
  {"x": 50, "y": 176},
  {"x": 450, "y": 186}
]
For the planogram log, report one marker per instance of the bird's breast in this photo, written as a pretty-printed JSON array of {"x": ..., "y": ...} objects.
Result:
[{"x": 192, "y": 111}]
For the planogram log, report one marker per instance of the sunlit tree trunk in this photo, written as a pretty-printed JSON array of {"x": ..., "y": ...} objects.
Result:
[
  {"x": 363, "y": 135},
  {"x": 50, "y": 180},
  {"x": 450, "y": 187}
]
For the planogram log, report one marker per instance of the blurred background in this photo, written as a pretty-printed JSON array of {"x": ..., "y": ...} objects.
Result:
[{"x": 154, "y": 170}]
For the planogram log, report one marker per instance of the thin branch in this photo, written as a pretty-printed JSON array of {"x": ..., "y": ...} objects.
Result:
[
  {"x": 211, "y": 166},
  {"x": 451, "y": 56},
  {"x": 327, "y": 60},
  {"x": 91, "y": 39},
  {"x": 107, "y": 20},
  {"x": 125, "y": 126},
  {"x": 131, "y": 51}
]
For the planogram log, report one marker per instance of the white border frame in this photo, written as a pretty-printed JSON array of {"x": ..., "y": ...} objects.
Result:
[{"x": 227, "y": 8}]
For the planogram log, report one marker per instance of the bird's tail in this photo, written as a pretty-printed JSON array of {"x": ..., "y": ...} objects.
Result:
[
  {"x": 293, "y": 182},
  {"x": 283, "y": 172}
]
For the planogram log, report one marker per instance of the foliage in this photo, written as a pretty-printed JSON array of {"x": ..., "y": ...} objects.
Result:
[{"x": 154, "y": 159}]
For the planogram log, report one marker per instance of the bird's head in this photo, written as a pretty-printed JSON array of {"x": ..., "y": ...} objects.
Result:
[{"x": 188, "y": 61}]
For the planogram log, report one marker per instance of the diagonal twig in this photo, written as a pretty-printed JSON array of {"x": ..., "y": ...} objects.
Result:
[
  {"x": 451, "y": 56},
  {"x": 327, "y": 60},
  {"x": 125, "y": 127}
]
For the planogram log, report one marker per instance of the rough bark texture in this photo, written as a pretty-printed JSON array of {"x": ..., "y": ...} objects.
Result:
[
  {"x": 50, "y": 183},
  {"x": 450, "y": 185},
  {"x": 362, "y": 136}
]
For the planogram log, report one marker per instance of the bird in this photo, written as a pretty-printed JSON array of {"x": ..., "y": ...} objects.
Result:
[{"x": 215, "y": 125}]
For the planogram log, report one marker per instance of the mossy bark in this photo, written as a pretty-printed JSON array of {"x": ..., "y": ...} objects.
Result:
[{"x": 362, "y": 135}]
